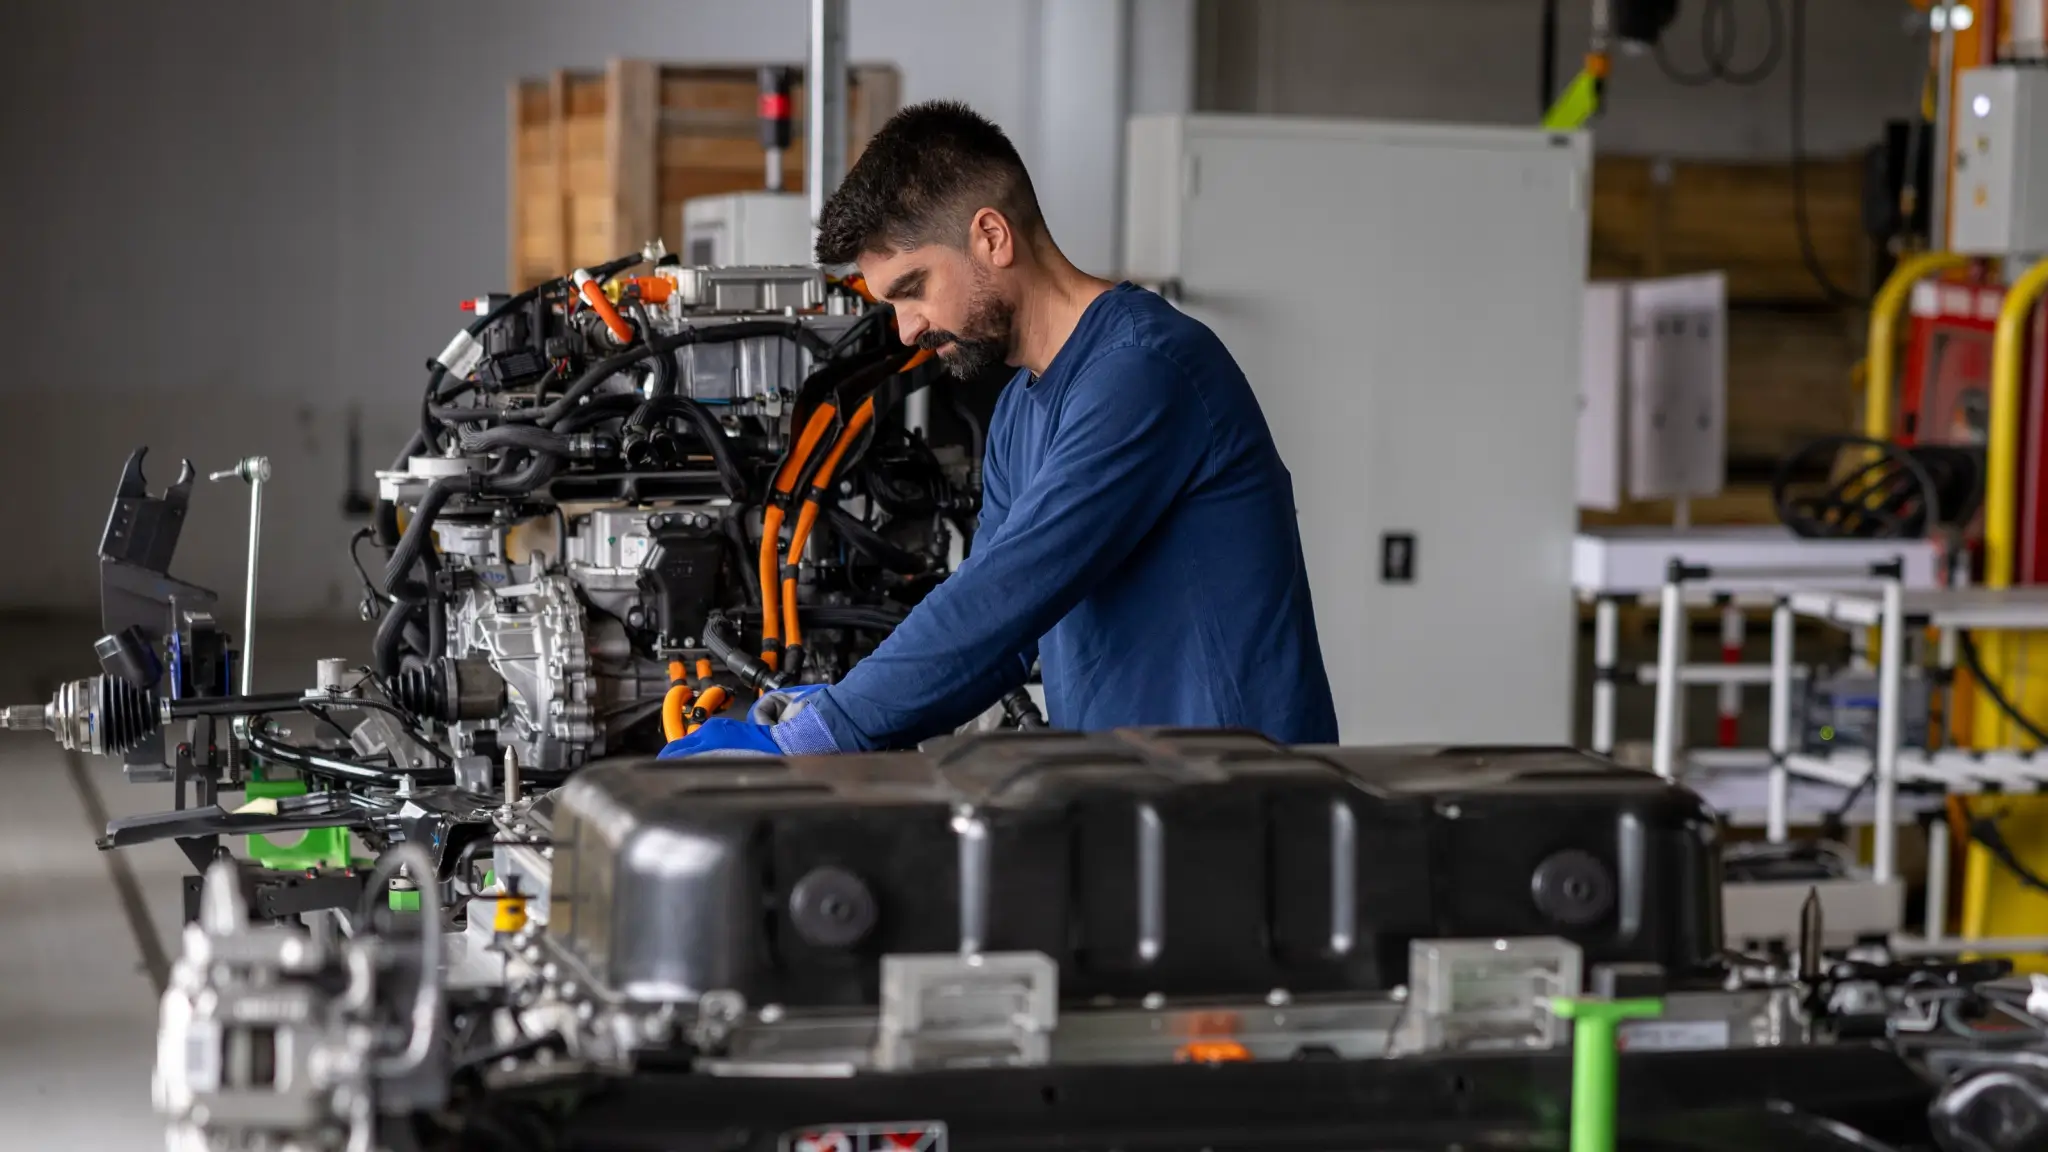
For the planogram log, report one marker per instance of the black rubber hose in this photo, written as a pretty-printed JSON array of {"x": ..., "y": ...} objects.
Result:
[
  {"x": 513, "y": 436},
  {"x": 709, "y": 431},
  {"x": 407, "y": 553},
  {"x": 873, "y": 544},
  {"x": 662, "y": 381},
  {"x": 387, "y": 648},
  {"x": 611, "y": 366},
  {"x": 437, "y": 608},
  {"x": 317, "y": 764},
  {"x": 751, "y": 671},
  {"x": 599, "y": 410},
  {"x": 1022, "y": 709},
  {"x": 536, "y": 472}
]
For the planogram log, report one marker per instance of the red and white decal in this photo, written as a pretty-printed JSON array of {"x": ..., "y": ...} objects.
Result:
[{"x": 917, "y": 1136}]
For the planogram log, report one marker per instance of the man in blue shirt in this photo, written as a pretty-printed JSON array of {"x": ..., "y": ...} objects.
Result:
[{"x": 1137, "y": 536}]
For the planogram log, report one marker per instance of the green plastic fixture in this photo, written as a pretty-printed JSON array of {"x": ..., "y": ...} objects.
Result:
[{"x": 1596, "y": 1063}]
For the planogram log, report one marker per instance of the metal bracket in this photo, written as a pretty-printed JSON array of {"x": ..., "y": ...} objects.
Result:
[{"x": 989, "y": 1009}]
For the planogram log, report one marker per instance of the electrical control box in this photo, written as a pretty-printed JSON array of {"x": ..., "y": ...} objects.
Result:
[
  {"x": 1405, "y": 300},
  {"x": 747, "y": 229},
  {"x": 1653, "y": 394},
  {"x": 1999, "y": 162}
]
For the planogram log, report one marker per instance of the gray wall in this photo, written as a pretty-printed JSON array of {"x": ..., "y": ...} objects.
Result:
[
  {"x": 231, "y": 223},
  {"x": 1479, "y": 61}
]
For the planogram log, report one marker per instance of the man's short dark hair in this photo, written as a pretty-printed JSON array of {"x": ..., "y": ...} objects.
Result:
[{"x": 920, "y": 181}]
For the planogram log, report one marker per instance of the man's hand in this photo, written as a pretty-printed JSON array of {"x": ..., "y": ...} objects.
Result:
[
  {"x": 722, "y": 738},
  {"x": 780, "y": 724}
]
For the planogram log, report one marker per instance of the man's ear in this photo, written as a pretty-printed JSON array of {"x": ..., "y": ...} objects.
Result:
[{"x": 990, "y": 237}]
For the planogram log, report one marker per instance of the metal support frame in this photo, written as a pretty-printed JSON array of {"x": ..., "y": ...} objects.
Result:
[
  {"x": 1782, "y": 639},
  {"x": 1670, "y": 690},
  {"x": 825, "y": 105},
  {"x": 1671, "y": 636},
  {"x": 1891, "y": 669},
  {"x": 1606, "y": 655}
]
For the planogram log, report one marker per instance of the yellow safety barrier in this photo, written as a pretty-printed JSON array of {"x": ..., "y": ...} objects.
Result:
[{"x": 1996, "y": 902}]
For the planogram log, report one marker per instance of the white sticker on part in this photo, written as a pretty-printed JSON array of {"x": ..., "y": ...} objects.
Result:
[
  {"x": 462, "y": 355},
  {"x": 202, "y": 1055},
  {"x": 1672, "y": 1035}
]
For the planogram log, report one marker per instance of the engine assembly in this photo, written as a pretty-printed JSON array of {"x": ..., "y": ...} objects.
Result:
[
  {"x": 634, "y": 502},
  {"x": 598, "y": 496}
]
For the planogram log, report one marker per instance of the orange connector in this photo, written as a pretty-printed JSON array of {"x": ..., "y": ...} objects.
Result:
[{"x": 593, "y": 295}]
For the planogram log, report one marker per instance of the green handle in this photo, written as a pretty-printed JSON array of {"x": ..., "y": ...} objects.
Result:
[
  {"x": 1576, "y": 105},
  {"x": 1596, "y": 1064}
]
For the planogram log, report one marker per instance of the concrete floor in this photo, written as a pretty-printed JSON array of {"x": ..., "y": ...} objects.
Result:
[{"x": 77, "y": 1004}]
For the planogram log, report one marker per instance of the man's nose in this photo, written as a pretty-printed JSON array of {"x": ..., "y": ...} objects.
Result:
[{"x": 909, "y": 326}]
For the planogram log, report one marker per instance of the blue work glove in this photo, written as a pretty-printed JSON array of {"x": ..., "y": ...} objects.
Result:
[
  {"x": 781, "y": 725},
  {"x": 720, "y": 738}
]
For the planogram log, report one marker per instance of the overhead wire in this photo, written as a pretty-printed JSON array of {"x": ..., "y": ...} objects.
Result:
[{"x": 1720, "y": 35}]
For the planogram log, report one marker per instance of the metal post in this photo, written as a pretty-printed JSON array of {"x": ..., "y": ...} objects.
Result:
[
  {"x": 1670, "y": 689},
  {"x": 825, "y": 105},
  {"x": 1937, "y": 877},
  {"x": 256, "y": 471},
  {"x": 1780, "y": 802},
  {"x": 1944, "y": 91},
  {"x": 1890, "y": 671},
  {"x": 1606, "y": 666}
]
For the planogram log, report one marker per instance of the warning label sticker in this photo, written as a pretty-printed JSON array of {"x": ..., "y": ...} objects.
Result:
[
  {"x": 1672, "y": 1035},
  {"x": 909, "y": 1136}
]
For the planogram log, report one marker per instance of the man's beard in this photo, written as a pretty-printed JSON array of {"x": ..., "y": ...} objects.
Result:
[{"x": 982, "y": 343}]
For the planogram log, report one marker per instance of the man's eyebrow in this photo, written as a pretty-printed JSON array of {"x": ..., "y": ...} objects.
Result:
[{"x": 910, "y": 281}]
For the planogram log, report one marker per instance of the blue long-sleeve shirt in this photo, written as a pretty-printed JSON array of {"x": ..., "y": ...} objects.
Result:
[{"x": 1137, "y": 538}]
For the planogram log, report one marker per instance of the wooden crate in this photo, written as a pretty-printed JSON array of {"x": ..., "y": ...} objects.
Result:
[
  {"x": 1666, "y": 218},
  {"x": 601, "y": 162}
]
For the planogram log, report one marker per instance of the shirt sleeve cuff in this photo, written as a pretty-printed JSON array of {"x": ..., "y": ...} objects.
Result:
[{"x": 804, "y": 734}]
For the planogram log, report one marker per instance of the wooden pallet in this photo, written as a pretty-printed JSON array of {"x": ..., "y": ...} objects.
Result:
[{"x": 601, "y": 162}]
